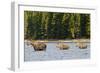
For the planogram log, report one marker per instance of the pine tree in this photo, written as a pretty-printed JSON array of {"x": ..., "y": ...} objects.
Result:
[
  {"x": 72, "y": 25},
  {"x": 77, "y": 25},
  {"x": 54, "y": 25}
]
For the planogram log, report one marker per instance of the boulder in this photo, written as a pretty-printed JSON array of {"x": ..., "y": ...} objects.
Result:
[
  {"x": 81, "y": 45},
  {"x": 62, "y": 46},
  {"x": 39, "y": 46}
]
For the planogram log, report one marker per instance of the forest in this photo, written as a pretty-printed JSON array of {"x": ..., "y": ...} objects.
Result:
[{"x": 55, "y": 25}]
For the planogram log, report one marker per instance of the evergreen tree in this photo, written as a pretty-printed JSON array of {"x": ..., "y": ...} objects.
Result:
[
  {"x": 72, "y": 25},
  {"x": 54, "y": 25}
]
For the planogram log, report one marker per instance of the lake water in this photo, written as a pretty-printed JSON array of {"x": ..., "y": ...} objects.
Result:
[{"x": 54, "y": 53}]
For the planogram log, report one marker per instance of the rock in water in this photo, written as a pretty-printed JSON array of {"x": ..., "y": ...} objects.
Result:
[
  {"x": 39, "y": 46},
  {"x": 62, "y": 46},
  {"x": 81, "y": 45}
]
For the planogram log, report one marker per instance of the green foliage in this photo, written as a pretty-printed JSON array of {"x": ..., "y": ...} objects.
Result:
[{"x": 53, "y": 25}]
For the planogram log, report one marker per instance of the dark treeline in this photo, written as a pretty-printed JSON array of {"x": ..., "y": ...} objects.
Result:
[{"x": 53, "y": 25}]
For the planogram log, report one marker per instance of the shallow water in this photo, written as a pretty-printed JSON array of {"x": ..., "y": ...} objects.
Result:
[{"x": 54, "y": 53}]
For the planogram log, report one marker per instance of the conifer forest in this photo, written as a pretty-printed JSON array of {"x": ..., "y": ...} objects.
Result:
[{"x": 56, "y": 25}]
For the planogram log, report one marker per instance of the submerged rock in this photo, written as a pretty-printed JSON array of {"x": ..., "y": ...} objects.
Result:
[{"x": 62, "y": 46}]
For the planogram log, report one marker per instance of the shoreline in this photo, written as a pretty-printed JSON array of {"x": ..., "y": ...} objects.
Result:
[{"x": 67, "y": 40}]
